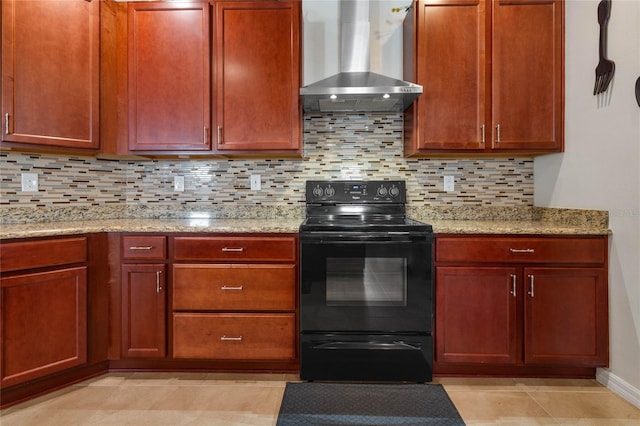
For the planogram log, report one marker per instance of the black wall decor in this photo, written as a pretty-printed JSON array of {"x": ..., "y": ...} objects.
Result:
[{"x": 606, "y": 67}]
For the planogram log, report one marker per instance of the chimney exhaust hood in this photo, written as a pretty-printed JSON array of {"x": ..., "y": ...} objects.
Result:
[{"x": 356, "y": 88}]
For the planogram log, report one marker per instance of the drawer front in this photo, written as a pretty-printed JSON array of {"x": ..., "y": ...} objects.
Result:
[
  {"x": 235, "y": 248},
  {"x": 19, "y": 255},
  {"x": 234, "y": 336},
  {"x": 140, "y": 247},
  {"x": 234, "y": 287},
  {"x": 591, "y": 250}
]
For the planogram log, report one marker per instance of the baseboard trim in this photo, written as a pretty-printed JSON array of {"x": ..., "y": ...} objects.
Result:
[{"x": 618, "y": 386}]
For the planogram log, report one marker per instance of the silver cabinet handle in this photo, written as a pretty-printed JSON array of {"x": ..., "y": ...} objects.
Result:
[
  {"x": 220, "y": 141},
  {"x": 6, "y": 123},
  {"x": 498, "y": 133},
  {"x": 140, "y": 248},
  {"x": 482, "y": 133},
  {"x": 513, "y": 285},
  {"x": 231, "y": 339},
  {"x": 528, "y": 250},
  {"x": 233, "y": 249},
  {"x": 158, "y": 285},
  {"x": 204, "y": 136},
  {"x": 532, "y": 282},
  {"x": 229, "y": 288}
]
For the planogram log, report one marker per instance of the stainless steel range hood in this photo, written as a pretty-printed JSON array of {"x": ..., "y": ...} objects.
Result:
[{"x": 356, "y": 88}]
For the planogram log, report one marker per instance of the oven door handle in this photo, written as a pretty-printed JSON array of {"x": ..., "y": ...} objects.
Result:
[
  {"x": 397, "y": 345},
  {"x": 346, "y": 237}
]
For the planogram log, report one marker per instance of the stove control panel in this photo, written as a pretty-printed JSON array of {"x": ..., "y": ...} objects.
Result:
[{"x": 378, "y": 191}]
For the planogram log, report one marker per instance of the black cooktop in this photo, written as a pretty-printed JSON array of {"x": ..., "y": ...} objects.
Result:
[{"x": 360, "y": 206}]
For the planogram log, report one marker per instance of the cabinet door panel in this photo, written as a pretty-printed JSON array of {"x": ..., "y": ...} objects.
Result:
[
  {"x": 452, "y": 64},
  {"x": 169, "y": 76},
  {"x": 50, "y": 72},
  {"x": 43, "y": 324},
  {"x": 143, "y": 310},
  {"x": 528, "y": 75},
  {"x": 257, "y": 75},
  {"x": 234, "y": 287},
  {"x": 566, "y": 316},
  {"x": 234, "y": 336},
  {"x": 476, "y": 315}
]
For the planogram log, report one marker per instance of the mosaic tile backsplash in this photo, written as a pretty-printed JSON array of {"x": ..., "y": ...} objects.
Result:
[{"x": 336, "y": 146}]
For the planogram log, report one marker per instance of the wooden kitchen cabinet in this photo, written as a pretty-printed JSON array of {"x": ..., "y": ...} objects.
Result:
[
  {"x": 510, "y": 305},
  {"x": 43, "y": 308},
  {"x": 493, "y": 73},
  {"x": 234, "y": 299},
  {"x": 256, "y": 77},
  {"x": 51, "y": 74},
  {"x": 144, "y": 289},
  {"x": 168, "y": 77}
]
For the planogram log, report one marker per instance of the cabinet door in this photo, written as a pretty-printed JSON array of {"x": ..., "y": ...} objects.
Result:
[
  {"x": 50, "y": 72},
  {"x": 476, "y": 318},
  {"x": 43, "y": 324},
  {"x": 169, "y": 100},
  {"x": 257, "y": 76},
  {"x": 143, "y": 310},
  {"x": 528, "y": 68},
  {"x": 566, "y": 311},
  {"x": 452, "y": 68}
]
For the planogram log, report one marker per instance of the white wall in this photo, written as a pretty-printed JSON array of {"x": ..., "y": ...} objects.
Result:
[
  {"x": 321, "y": 38},
  {"x": 600, "y": 168}
]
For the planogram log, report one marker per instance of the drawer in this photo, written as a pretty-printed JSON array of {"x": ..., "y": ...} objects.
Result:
[
  {"x": 591, "y": 250},
  {"x": 235, "y": 248},
  {"x": 234, "y": 336},
  {"x": 233, "y": 287},
  {"x": 19, "y": 255},
  {"x": 140, "y": 247}
]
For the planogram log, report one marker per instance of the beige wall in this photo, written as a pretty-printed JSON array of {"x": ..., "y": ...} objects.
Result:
[{"x": 601, "y": 168}]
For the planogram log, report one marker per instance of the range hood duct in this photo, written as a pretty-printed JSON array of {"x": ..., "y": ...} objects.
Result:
[{"x": 356, "y": 88}]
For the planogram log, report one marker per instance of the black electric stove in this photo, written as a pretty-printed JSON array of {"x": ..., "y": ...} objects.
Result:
[{"x": 366, "y": 285}]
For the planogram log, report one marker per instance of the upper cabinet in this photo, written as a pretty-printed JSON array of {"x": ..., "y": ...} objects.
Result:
[
  {"x": 50, "y": 74},
  {"x": 200, "y": 78},
  {"x": 256, "y": 75},
  {"x": 168, "y": 76},
  {"x": 493, "y": 77}
]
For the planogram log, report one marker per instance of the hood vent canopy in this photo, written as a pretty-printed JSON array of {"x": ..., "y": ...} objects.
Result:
[{"x": 356, "y": 88}]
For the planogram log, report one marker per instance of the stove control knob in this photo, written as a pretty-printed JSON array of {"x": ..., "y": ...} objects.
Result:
[
  {"x": 329, "y": 191},
  {"x": 394, "y": 191},
  {"x": 382, "y": 191},
  {"x": 317, "y": 191}
]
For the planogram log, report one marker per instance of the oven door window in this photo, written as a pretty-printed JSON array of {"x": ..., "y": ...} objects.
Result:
[
  {"x": 365, "y": 286},
  {"x": 366, "y": 281}
]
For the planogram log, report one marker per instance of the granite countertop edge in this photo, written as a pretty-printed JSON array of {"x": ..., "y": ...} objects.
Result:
[{"x": 290, "y": 225}]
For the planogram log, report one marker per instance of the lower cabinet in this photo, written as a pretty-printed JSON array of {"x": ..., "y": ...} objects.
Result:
[
  {"x": 523, "y": 302},
  {"x": 207, "y": 301},
  {"x": 43, "y": 308},
  {"x": 234, "y": 336},
  {"x": 234, "y": 299},
  {"x": 144, "y": 310}
]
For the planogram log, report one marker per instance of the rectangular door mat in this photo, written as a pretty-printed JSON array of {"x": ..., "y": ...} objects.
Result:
[{"x": 366, "y": 404}]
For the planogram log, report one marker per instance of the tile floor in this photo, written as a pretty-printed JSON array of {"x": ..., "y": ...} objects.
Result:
[{"x": 236, "y": 399}]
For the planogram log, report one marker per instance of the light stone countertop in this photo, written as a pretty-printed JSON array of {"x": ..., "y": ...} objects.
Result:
[{"x": 285, "y": 225}]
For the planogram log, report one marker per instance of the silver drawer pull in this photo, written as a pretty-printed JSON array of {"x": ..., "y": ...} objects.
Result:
[
  {"x": 233, "y": 249},
  {"x": 224, "y": 287},
  {"x": 141, "y": 248},
  {"x": 231, "y": 339},
  {"x": 512, "y": 250}
]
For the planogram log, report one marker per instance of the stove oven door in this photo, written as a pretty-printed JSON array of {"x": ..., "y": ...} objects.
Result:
[{"x": 366, "y": 282}]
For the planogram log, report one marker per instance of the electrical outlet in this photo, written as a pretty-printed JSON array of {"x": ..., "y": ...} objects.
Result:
[
  {"x": 29, "y": 182},
  {"x": 449, "y": 183},
  {"x": 178, "y": 183},
  {"x": 256, "y": 183}
]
